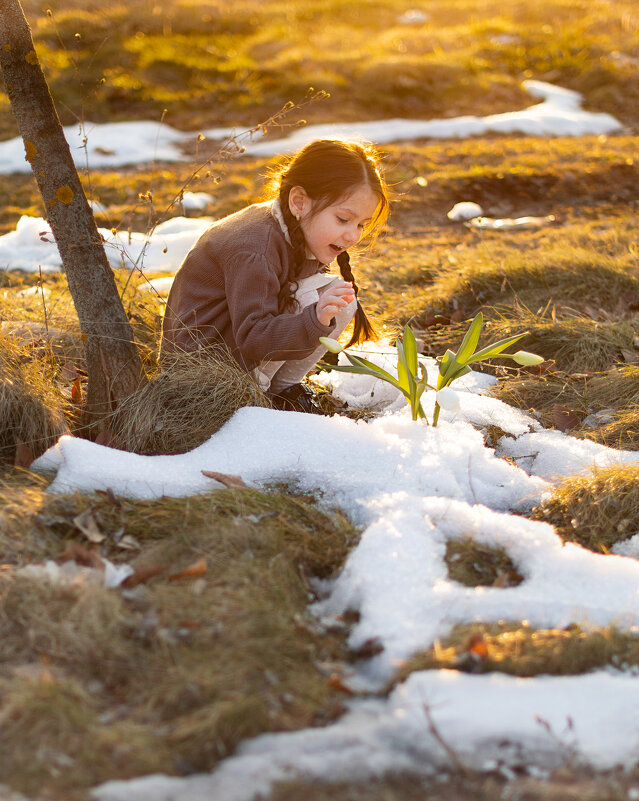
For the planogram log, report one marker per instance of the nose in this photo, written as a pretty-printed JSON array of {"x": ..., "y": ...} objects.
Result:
[{"x": 352, "y": 234}]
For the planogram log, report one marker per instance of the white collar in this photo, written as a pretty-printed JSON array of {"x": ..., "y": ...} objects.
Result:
[{"x": 276, "y": 211}]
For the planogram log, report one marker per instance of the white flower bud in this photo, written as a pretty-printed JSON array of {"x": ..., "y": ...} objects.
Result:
[
  {"x": 448, "y": 399},
  {"x": 527, "y": 359},
  {"x": 331, "y": 345}
]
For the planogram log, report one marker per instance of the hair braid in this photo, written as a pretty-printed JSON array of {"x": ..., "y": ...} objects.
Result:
[
  {"x": 285, "y": 299},
  {"x": 362, "y": 328}
]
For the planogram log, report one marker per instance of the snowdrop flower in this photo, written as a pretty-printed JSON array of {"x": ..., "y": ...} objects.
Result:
[
  {"x": 526, "y": 359},
  {"x": 448, "y": 399},
  {"x": 331, "y": 345}
]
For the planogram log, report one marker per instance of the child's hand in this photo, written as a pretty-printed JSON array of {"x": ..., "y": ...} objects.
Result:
[{"x": 336, "y": 297}]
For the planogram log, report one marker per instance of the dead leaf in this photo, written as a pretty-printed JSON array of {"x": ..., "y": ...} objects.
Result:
[
  {"x": 436, "y": 319},
  {"x": 369, "y": 648},
  {"x": 630, "y": 357},
  {"x": 564, "y": 418},
  {"x": 87, "y": 524},
  {"x": 225, "y": 478},
  {"x": 105, "y": 437},
  {"x": 69, "y": 371},
  {"x": 508, "y": 578},
  {"x": 477, "y": 645},
  {"x": 457, "y": 316},
  {"x": 76, "y": 391},
  {"x": 24, "y": 455},
  {"x": 142, "y": 575},
  {"x": 128, "y": 543},
  {"x": 81, "y": 555},
  {"x": 336, "y": 682},
  {"x": 198, "y": 568},
  {"x": 630, "y": 299}
]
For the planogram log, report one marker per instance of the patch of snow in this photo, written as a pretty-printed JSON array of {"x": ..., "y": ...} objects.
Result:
[
  {"x": 32, "y": 246},
  {"x": 514, "y": 722},
  {"x": 112, "y": 145},
  {"x": 196, "y": 201},
  {"x": 161, "y": 286},
  {"x": 465, "y": 210},
  {"x": 559, "y": 114},
  {"x": 413, "y": 16},
  {"x": 412, "y": 488},
  {"x": 70, "y": 572},
  {"x": 629, "y": 547}
]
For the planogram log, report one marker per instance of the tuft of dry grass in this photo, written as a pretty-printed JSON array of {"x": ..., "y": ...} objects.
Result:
[
  {"x": 622, "y": 432},
  {"x": 596, "y": 510},
  {"x": 519, "y": 649},
  {"x": 575, "y": 345},
  {"x": 32, "y": 408},
  {"x": 170, "y": 674},
  {"x": 183, "y": 405},
  {"x": 476, "y": 565},
  {"x": 566, "y": 784}
]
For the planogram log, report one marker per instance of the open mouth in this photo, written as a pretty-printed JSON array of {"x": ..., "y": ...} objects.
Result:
[{"x": 336, "y": 249}]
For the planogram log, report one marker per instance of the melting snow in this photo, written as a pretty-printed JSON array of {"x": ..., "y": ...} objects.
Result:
[{"x": 411, "y": 488}]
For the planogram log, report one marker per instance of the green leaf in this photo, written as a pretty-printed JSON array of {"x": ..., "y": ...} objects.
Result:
[
  {"x": 496, "y": 348},
  {"x": 469, "y": 343},
  {"x": 410, "y": 350},
  {"x": 463, "y": 369},
  {"x": 404, "y": 377},
  {"x": 360, "y": 370},
  {"x": 373, "y": 369},
  {"x": 447, "y": 363}
]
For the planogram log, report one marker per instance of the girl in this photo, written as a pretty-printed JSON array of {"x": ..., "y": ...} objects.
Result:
[{"x": 257, "y": 280}]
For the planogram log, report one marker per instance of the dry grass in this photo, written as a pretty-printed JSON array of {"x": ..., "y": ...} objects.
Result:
[
  {"x": 182, "y": 406},
  {"x": 521, "y": 650},
  {"x": 595, "y": 510},
  {"x": 622, "y": 432},
  {"x": 540, "y": 395},
  {"x": 565, "y": 784},
  {"x": 476, "y": 565},
  {"x": 32, "y": 408},
  {"x": 168, "y": 676},
  {"x": 464, "y": 58}
]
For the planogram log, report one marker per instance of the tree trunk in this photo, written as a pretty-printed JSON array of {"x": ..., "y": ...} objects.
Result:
[{"x": 113, "y": 362}]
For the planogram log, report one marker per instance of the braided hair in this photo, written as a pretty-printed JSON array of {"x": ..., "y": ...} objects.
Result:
[{"x": 327, "y": 170}]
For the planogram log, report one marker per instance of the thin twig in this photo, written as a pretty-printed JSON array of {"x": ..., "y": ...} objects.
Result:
[
  {"x": 432, "y": 728},
  {"x": 44, "y": 305}
]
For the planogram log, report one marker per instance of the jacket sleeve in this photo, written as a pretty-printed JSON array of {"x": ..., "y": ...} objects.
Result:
[{"x": 260, "y": 331}]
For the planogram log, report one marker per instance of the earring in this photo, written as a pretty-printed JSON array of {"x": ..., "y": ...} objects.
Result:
[{"x": 297, "y": 217}]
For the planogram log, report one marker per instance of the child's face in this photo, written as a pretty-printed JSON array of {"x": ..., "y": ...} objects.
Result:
[{"x": 339, "y": 226}]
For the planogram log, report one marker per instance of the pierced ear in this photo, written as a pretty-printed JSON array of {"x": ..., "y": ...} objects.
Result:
[{"x": 298, "y": 202}]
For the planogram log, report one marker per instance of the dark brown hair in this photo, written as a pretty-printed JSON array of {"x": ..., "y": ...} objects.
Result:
[{"x": 328, "y": 170}]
